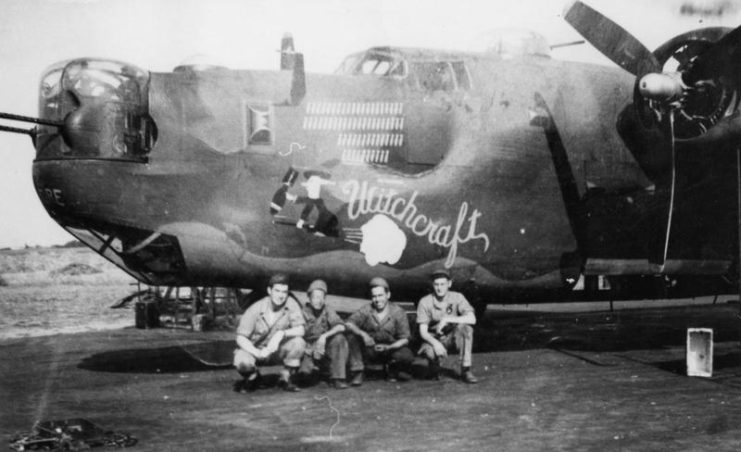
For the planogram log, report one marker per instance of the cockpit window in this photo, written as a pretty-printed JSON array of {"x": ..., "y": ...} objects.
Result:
[
  {"x": 376, "y": 67},
  {"x": 348, "y": 65},
  {"x": 372, "y": 63},
  {"x": 441, "y": 76}
]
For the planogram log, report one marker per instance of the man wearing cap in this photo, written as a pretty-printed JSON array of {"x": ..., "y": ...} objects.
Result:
[
  {"x": 270, "y": 331},
  {"x": 379, "y": 332},
  {"x": 446, "y": 320},
  {"x": 326, "y": 345}
]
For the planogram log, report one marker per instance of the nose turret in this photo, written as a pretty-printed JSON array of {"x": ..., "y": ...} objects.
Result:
[{"x": 104, "y": 108}]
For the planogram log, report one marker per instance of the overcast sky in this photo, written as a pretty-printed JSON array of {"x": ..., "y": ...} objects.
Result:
[{"x": 159, "y": 34}]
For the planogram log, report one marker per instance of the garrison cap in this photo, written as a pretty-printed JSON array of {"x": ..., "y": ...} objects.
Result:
[
  {"x": 278, "y": 278},
  {"x": 440, "y": 273},
  {"x": 317, "y": 284},
  {"x": 378, "y": 282}
]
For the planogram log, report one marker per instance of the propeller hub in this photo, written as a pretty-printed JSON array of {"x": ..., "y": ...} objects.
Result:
[{"x": 662, "y": 87}]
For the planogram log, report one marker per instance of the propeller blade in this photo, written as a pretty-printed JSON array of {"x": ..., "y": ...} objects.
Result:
[
  {"x": 722, "y": 59},
  {"x": 611, "y": 39}
]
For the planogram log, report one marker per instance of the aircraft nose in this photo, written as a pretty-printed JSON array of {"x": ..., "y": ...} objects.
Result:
[{"x": 104, "y": 108}]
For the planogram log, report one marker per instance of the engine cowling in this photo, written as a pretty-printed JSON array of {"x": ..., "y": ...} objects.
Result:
[{"x": 697, "y": 106}]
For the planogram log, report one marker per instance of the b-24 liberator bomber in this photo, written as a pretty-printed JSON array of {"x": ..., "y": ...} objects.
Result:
[{"x": 519, "y": 173}]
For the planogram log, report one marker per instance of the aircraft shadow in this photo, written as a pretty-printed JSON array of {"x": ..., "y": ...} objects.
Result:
[
  {"x": 175, "y": 359},
  {"x": 499, "y": 331},
  {"x": 618, "y": 332},
  {"x": 172, "y": 359},
  {"x": 633, "y": 329},
  {"x": 721, "y": 364}
]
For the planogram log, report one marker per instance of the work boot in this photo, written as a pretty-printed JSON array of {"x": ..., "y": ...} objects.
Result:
[
  {"x": 357, "y": 379},
  {"x": 287, "y": 380},
  {"x": 238, "y": 385},
  {"x": 288, "y": 385},
  {"x": 248, "y": 383},
  {"x": 393, "y": 374},
  {"x": 433, "y": 369},
  {"x": 468, "y": 377},
  {"x": 403, "y": 376},
  {"x": 389, "y": 373},
  {"x": 305, "y": 379},
  {"x": 337, "y": 383}
]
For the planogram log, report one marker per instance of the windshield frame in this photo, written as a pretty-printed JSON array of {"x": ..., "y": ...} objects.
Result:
[{"x": 355, "y": 64}]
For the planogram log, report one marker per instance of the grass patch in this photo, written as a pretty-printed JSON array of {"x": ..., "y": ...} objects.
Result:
[{"x": 75, "y": 269}]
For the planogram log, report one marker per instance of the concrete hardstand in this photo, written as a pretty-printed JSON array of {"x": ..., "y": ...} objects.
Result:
[{"x": 598, "y": 381}]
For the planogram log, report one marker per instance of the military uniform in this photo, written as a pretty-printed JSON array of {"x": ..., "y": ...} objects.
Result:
[
  {"x": 458, "y": 336},
  {"x": 336, "y": 349},
  {"x": 259, "y": 324},
  {"x": 388, "y": 330}
]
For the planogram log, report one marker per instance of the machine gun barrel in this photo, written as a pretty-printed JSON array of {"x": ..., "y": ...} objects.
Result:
[
  {"x": 46, "y": 122},
  {"x": 31, "y": 132}
]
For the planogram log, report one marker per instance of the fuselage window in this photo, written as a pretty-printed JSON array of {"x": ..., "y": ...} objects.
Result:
[
  {"x": 397, "y": 69},
  {"x": 461, "y": 75},
  {"x": 434, "y": 76}
]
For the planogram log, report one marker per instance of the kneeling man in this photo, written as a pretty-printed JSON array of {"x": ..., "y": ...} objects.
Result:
[
  {"x": 269, "y": 332},
  {"x": 446, "y": 320},
  {"x": 326, "y": 346},
  {"x": 379, "y": 332}
]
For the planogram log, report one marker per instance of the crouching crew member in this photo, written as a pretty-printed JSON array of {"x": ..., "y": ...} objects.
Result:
[
  {"x": 379, "y": 332},
  {"x": 326, "y": 346},
  {"x": 445, "y": 320},
  {"x": 269, "y": 332}
]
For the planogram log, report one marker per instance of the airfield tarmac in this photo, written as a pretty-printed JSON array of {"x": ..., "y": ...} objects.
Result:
[{"x": 548, "y": 381}]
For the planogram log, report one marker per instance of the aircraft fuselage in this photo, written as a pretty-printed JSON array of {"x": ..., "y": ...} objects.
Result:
[{"x": 510, "y": 173}]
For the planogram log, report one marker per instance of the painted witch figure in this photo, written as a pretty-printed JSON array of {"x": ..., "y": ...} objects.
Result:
[
  {"x": 315, "y": 179},
  {"x": 326, "y": 223}
]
